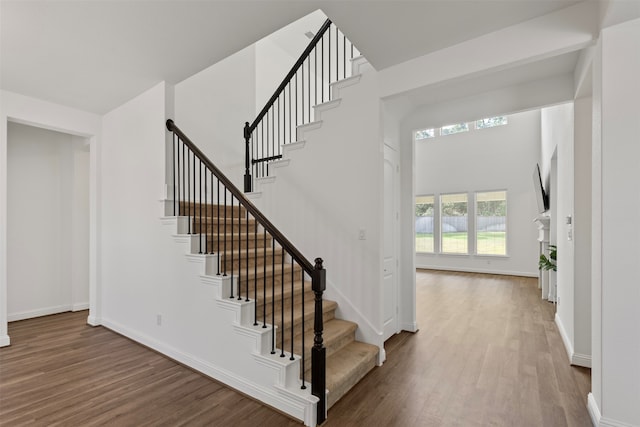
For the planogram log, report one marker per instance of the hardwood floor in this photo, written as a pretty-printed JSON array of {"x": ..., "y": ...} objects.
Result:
[
  {"x": 59, "y": 371},
  {"x": 487, "y": 354}
]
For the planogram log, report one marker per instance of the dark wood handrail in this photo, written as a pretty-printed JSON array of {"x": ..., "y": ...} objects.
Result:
[
  {"x": 273, "y": 231},
  {"x": 292, "y": 72}
]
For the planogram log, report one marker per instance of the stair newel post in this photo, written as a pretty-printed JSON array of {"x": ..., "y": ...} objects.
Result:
[
  {"x": 247, "y": 160},
  {"x": 318, "y": 352}
]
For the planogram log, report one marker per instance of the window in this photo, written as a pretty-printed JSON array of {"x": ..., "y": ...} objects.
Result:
[
  {"x": 491, "y": 122},
  {"x": 451, "y": 129},
  {"x": 491, "y": 223},
  {"x": 454, "y": 223},
  {"x": 425, "y": 133},
  {"x": 425, "y": 206}
]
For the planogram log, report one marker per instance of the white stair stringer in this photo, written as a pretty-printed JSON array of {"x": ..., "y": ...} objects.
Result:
[
  {"x": 358, "y": 64},
  {"x": 336, "y": 87},
  {"x": 269, "y": 378},
  {"x": 325, "y": 106}
]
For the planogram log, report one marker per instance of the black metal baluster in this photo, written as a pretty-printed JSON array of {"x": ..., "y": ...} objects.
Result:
[
  {"x": 173, "y": 155},
  {"x": 344, "y": 56},
  {"x": 239, "y": 248},
  {"x": 224, "y": 239},
  {"x": 273, "y": 296},
  {"x": 290, "y": 104},
  {"x": 296, "y": 126},
  {"x": 292, "y": 305},
  {"x": 255, "y": 271},
  {"x": 302, "y": 92},
  {"x": 247, "y": 254},
  {"x": 282, "y": 307},
  {"x": 218, "y": 230},
  {"x": 264, "y": 278},
  {"x": 309, "y": 85},
  {"x": 193, "y": 211},
  {"x": 206, "y": 215},
  {"x": 337, "y": 56},
  {"x": 188, "y": 208},
  {"x": 212, "y": 251},
  {"x": 178, "y": 157},
  {"x": 262, "y": 139},
  {"x": 315, "y": 77},
  {"x": 199, "y": 204},
  {"x": 303, "y": 387},
  {"x": 329, "y": 65},
  {"x": 322, "y": 67}
]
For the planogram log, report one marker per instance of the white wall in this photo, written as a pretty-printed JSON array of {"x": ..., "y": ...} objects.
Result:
[
  {"x": 619, "y": 402},
  {"x": 151, "y": 292},
  {"x": 48, "y": 222},
  {"x": 22, "y": 109},
  {"x": 499, "y": 158},
  {"x": 558, "y": 134},
  {"x": 212, "y": 106},
  {"x": 582, "y": 228},
  {"x": 277, "y": 52}
]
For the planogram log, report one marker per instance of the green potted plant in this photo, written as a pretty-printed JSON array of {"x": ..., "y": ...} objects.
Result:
[{"x": 549, "y": 263}]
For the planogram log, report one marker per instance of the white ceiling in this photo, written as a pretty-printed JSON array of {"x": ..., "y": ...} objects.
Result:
[{"x": 95, "y": 55}]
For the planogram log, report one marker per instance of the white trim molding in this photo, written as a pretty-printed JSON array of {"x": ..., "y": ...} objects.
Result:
[
  {"x": 594, "y": 411},
  {"x": 583, "y": 360},
  {"x": 4, "y": 341},
  {"x": 565, "y": 338},
  {"x": 575, "y": 359},
  {"x": 46, "y": 311},
  {"x": 302, "y": 407}
]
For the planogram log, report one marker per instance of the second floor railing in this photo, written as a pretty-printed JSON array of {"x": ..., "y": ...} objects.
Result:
[{"x": 326, "y": 60}]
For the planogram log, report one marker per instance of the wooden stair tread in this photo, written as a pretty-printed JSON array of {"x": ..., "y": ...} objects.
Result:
[
  {"x": 328, "y": 311},
  {"x": 337, "y": 333},
  {"x": 346, "y": 367}
]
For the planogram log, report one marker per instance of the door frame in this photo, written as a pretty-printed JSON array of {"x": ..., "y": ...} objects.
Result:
[{"x": 37, "y": 113}]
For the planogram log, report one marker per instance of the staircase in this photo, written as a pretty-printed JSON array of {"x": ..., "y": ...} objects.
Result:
[
  {"x": 276, "y": 293},
  {"x": 277, "y": 288}
]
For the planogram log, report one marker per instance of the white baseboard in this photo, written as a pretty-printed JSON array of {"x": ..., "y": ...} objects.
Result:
[
  {"x": 477, "y": 270},
  {"x": 46, "y": 311},
  {"x": 79, "y": 306},
  {"x": 594, "y": 411},
  {"x": 565, "y": 338},
  {"x": 4, "y": 340},
  {"x": 93, "y": 321},
  {"x": 607, "y": 422},
  {"x": 409, "y": 327},
  {"x": 300, "y": 410},
  {"x": 583, "y": 360},
  {"x": 575, "y": 359}
]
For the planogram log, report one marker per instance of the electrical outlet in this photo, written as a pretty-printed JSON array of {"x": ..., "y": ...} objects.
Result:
[
  {"x": 362, "y": 234},
  {"x": 159, "y": 319}
]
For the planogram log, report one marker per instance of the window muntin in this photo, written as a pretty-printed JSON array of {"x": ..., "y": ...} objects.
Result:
[
  {"x": 490, "y": 122},
  {"x": 454, "y": 223},
  {"x": 491, "y": 223},
  {"x": 455, "y": 128},
  {"x": 425, "y": 208},
  {"x": 425, "y": 134}
]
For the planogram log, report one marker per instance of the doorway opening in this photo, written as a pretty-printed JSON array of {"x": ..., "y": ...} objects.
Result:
[{"x": 47, "y": 222}]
